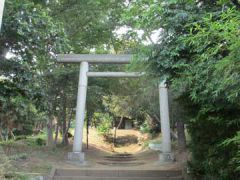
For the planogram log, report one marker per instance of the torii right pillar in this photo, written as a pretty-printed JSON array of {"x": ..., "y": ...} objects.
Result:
[{"x": 166, "y": 151}]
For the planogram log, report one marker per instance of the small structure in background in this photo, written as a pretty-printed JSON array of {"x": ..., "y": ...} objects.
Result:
[{"x": 126, "y": 123}]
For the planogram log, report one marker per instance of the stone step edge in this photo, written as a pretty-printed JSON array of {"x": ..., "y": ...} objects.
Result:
[
  {"x": 53, "y": 172},
  {"x": 117, "y": 173},
  {"x": 114, "y": 178},
  {"x": 113, "y": 169}
]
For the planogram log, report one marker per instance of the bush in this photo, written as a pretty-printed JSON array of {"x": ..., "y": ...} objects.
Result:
[
  {"x": 234, "y": 143},
  {"x": 40, "y": 142},
  {"x": 105, "y": 123},
  {"x": 212, "y": 154},
  {"x": 18, "y": 156},
  {"x": 27, "y": 130},
  {"x": 20, "y": 137},
  {"x": 144, "y": 128}
]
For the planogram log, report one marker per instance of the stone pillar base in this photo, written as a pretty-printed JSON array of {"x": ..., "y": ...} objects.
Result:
[
  {"x": 78, "y": 157},
  {"x": 166, "y": 157}
]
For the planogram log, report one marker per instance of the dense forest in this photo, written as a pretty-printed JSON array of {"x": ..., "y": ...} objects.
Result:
[{"x": 197, "y": 52}]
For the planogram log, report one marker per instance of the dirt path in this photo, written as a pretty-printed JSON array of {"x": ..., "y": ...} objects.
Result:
[{"x": 128, "y": 141}]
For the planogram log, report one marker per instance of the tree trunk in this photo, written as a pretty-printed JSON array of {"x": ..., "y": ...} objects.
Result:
[
  {"x": 115, "y": 136},
  {"x": 115, "y": 131},
  {"x": 69, "y": 120},
  {"x": 64, "y": 123},
  {"x": 88, "y": 120},
  {"x": 11, "y": 134},
  {"x": 49, "y": 133},
  {"x": 120, "y": 123},
  {"x": 1, "y": 134},
  {"x": 64, "y": 132},
  {"x": 181, "y": 136},
  {"x": 56, "y": 134}
]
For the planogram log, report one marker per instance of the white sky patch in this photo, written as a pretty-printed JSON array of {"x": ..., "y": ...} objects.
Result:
[
  {"x": 127, "y": 2},
  {"x": 155, "y": 35},
  {"x": 92, "y": 50},
  {"x": 122, "y": 30},
  {"x": 9, "y": 55}
]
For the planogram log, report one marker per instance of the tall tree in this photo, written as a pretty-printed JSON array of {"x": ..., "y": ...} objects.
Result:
[
  {"x": 25, "y": 38},
  {"x": 198, "y": 54}
]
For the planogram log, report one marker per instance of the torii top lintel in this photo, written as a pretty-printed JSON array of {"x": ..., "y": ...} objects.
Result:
[{"x": 95, "y": 58}]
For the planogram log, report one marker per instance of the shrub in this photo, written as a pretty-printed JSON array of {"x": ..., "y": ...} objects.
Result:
[
  {"x": 144, "y": 128},
  {"x": 18, "y": 156},
  {"x": 105, "y": 123},
  {"x": 40, "y": 142},
  {"x": 20, "y": 137}
]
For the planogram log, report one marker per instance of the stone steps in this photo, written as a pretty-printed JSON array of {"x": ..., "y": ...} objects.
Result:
[
  {"x": 121, "y": 160},
  {"x": 115, "y": 174},
  {"x": 115, "y": 178},
  {"x": 121, "y": 164},
  {"x": 117, "y": 167}
]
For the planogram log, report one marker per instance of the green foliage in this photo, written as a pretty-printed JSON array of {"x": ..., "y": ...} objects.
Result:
[
  {"x": 89, "y": 24},
  {"x": 40, "y": 142},
  {"x": 104, "y": 123},
  {"x": 213, "y": 84},
  {"x": 234, "y": 142},
  {"x": 22, "y": 176},
  {"x": 21, "y": 137},
  {"x": 198, "y": 53},
  {"x": 117, "y": 105},
  {"x": 24, "y": 36},
  {"x": 34, "y": 141},
  {"x": 216, "y": 49},
  {"x": 144, "y": 128},
  {"x": 19, "y": 156}
]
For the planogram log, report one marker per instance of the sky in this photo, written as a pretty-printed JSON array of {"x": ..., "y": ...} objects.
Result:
[{"x": 155, "y": 36}]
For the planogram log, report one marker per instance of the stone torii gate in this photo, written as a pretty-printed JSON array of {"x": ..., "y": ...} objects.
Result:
[{"x": 77, "y": 154}]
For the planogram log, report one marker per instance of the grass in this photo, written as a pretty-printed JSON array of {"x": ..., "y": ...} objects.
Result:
[
  {"x": 156, "y": 141},
  {"x": 38, "y": 140},
  {"x": 6, "y": 143},
  {"x": 25, "y": 156},
  {"x": 16, "y": 157},
  {"x": 23, "y": 176},
  {"x": 28, "y": 140}
]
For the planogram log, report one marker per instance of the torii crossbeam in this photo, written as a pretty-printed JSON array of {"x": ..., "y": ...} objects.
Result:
[{"x": 84, "y": 59}]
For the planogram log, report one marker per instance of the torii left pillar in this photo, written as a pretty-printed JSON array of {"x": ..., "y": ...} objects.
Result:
[{"x": 77, "y": 154}]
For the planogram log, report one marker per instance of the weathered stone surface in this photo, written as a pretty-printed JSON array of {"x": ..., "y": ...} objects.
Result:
[
  {"x": 37, "y": 178},
  {"x": 117, "y": 174},
  {"x": 166, "y": 157},
  {"x": 76, "y": 156}
]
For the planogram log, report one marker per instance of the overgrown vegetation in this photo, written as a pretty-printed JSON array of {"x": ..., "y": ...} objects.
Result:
[
  {"x": 104, "y": 123},
  {"x": 197, "y": 52}
]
